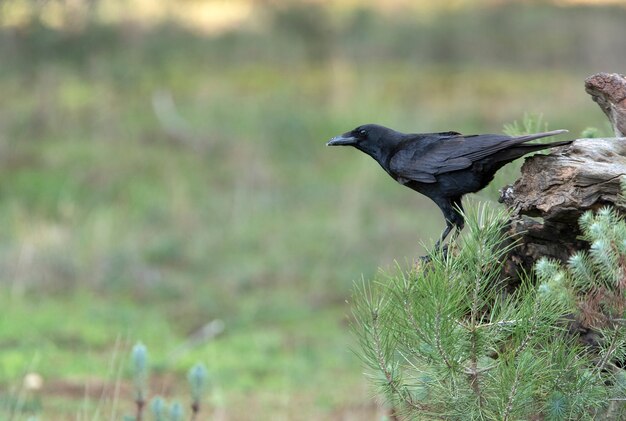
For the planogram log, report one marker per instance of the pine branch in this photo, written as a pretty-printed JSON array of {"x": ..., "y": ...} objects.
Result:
[
  {"x": 408, "y": 311},
  {"x": 522, "y": 346},
  {"x": 609, "y": 351},
  {"x": 432, "y": 336},
  {"x": 501, "y": 323},
  {"x": 509, "y": 405},
  {"x": 443, "y": 354},
  {"x": 473, "y": 370},
  {"x": 479, "y": 370},
  {"x": 391, "y": 382}
]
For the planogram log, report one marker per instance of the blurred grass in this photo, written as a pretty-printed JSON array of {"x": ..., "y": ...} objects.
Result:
[{"x": 153, "y": 182}]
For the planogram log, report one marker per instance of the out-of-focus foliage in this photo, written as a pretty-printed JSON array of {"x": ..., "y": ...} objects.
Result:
[{"x": 530, "y": 124}]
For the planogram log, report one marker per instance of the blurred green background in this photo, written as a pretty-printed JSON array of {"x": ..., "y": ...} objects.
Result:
[{"x": 163, "y": 169}]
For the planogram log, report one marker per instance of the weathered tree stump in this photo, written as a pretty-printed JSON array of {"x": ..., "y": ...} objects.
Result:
[
  {"x": 555, "y": 190},
  {"x": 609, "y": 91}
]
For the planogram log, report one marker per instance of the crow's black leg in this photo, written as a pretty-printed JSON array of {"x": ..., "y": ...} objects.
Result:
[
  {"x": 451, "y": 209},
  {"x": 458, "y": 221},
  {"x": 444, "y": 234},
  {"x": 451, "y": 212}
]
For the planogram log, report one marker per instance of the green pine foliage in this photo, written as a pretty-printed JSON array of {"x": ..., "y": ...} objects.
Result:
[
  {"x": 161, "y": 411},
  {"x": 531, "y": 123},
  {"x": 594, "y": 284},
  {"x": 446, "y": 340},
  {"x": 590, "y": 133},
  {"x": 139, "y": 359}
]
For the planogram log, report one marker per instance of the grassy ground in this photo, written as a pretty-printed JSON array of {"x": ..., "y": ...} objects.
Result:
[{"x": 151, "y": 188}]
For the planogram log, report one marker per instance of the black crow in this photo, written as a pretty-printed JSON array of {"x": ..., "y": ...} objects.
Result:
[{"x": 443, "y": 166}]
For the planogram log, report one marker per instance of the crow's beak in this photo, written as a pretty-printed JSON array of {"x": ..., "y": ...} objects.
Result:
[{"x": 342, "y": 140}]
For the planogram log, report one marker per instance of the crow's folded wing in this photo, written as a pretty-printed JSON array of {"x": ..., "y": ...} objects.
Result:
[{"x": 422, "y": 158}]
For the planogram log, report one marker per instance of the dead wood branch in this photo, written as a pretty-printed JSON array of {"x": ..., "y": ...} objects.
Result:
[{"x": 609, "y": 91}]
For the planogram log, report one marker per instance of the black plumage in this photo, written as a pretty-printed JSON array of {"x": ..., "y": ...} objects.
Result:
[{"x": 443, "y": 166}]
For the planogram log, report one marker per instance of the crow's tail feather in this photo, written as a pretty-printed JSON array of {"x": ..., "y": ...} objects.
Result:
[
  {"x": 529, "y": 137},
  {"x": 517, "y": 151},
  {"x": 540, "y": 146}
]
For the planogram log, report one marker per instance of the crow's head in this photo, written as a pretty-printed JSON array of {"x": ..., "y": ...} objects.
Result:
[
  {"x": 366, "y": 134},
  {"x": 369, "y": 138}
]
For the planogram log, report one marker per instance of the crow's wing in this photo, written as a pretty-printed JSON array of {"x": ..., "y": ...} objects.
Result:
[
  {"x": 423, "y": 157},
  {"x": 442, "y": 134}
]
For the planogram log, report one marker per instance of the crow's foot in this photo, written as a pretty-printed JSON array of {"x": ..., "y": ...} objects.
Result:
[{"x": 423, "y": 260}]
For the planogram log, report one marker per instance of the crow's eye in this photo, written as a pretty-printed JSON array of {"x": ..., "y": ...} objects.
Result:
[{"x": 362, "y": 133}]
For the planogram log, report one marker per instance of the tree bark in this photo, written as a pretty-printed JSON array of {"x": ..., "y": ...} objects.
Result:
[
  {"x": 609, "y": 91},
  {"x": 555, "y": 190}
]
